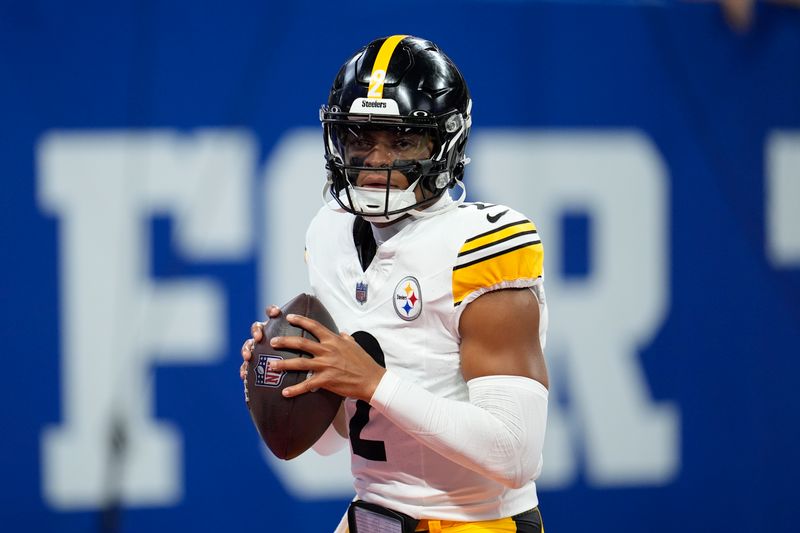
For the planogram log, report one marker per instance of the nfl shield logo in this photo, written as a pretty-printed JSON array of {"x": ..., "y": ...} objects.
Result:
[
  {"x": 265, "y": 377},
  {"x": 361, "y": 292}
]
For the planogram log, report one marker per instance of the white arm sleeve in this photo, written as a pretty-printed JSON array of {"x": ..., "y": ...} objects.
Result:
[{"x": 499, "y": 433}]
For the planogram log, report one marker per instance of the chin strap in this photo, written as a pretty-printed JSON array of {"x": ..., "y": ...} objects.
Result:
[
  {"x": 328, "y": 200},
  {"x": 444, "y": 204}
]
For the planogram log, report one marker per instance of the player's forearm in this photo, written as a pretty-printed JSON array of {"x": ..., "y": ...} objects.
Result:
[{"x": 498, "y": 433}]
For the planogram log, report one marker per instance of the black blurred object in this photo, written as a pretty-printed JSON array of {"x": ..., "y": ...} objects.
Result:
[
  {"x": 289, "y": 426},
  {"x": 111, "y": 511}
]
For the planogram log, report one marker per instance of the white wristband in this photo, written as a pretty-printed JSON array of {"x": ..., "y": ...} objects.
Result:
[{"x": 498, "y": 433}]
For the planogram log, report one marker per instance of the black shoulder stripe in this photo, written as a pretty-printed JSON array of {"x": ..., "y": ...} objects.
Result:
[
  {"x": 495, "y": 230},
  {"x": 508, "y": 250},
  {"x": 493, "y": 243}
]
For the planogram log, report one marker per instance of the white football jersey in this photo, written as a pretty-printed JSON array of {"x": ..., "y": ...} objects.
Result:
[{"x": 410, "y": 299}]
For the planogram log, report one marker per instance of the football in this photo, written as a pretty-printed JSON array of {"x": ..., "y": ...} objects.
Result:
[{"x": 289, "y": 426}]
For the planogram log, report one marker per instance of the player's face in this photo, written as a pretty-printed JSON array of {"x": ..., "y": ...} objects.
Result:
[{"x": 383, "y": 148}]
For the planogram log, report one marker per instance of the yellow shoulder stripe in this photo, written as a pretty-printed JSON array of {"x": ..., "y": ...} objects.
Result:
[
  {"x": 523, "y": 261},
  {"x": 496, "y": 235}
]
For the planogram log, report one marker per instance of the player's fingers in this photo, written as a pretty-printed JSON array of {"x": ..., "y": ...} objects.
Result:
[
  {"x": 256, "y": 331},
  {"x": 247, "y": 349},
  {"x": 293, "y": 364},
  {"x": 300, "y": 344},
  {"x": 243, "y": 371},
  {"x": 311, "y": 325},
  {"x": 311, "y": 387},
  {"x": 308, "y": 385},
  {"x": 273, "y": 311}
]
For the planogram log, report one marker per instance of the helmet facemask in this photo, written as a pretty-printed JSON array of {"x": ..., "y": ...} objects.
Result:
[{"x": 404, "y": 163}]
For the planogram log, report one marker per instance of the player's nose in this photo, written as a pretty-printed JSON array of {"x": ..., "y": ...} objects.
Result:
[{"x": 379, "y": 156}]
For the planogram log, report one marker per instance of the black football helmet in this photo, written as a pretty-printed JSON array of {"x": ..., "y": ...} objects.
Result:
[{"x": 405, "y": 86}]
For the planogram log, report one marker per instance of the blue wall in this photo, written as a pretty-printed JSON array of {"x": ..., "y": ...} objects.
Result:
[{"x": 714, "y": 113}]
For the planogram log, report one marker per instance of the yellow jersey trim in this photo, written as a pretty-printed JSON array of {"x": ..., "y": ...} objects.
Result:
[
  {"x": 497, "y": 235},
  {"x": 502, "y": 255}
]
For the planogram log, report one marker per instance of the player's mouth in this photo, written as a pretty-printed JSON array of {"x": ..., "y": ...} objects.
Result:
[{"x": 376, "y": 182}]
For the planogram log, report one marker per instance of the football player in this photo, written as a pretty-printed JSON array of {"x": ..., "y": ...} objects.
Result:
[{"x": 446, "y": 404}]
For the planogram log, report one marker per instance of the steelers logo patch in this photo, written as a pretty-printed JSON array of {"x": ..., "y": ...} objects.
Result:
[{"x": 408, "y": 298}]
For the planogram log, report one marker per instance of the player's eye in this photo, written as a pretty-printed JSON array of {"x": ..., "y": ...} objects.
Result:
[
  {"x": 360, "y": 143},
  {"x": 405, "y": 144},
  {"x": 408, "y": 144}
]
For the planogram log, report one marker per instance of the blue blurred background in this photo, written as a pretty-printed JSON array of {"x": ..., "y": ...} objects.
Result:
[{"x": 161, "y": 160}]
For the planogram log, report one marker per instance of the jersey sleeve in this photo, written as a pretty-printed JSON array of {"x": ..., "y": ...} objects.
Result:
[{"x": 508, "y": 256}]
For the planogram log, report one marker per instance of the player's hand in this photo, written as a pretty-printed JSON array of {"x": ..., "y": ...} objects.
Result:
[
  {"x": 339, "y": 364},
  {"x": 256, "y": 333}
]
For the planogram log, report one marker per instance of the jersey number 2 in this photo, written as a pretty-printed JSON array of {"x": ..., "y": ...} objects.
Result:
[{"x": 373, "y": 450}]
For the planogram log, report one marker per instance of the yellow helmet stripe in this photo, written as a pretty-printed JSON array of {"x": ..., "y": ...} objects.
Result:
[{"x": 378, "y": 75}]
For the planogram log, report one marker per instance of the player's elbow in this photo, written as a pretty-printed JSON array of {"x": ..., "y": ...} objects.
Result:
[
  {"x": 516, "y": 483},
  {"x": 531, "y": 471},
  {"x": 514, "y": 466},
  {"x": 510, "y": 480},
  {"x": 519, "y": 479},
  {"x": 519, "y": 476},
  {"x": 519, "y": 418}
]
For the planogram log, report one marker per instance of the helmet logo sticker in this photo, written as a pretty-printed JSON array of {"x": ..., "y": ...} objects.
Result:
[
  {"x": 376, "y": 83},
  {"x": 408, "y": 298},
  {"x": 375, "y": 106}
]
